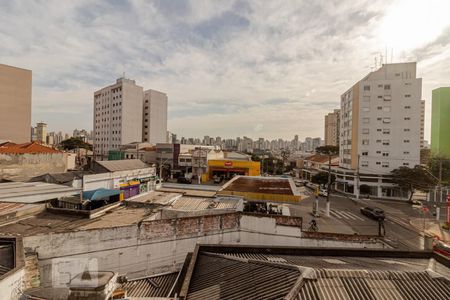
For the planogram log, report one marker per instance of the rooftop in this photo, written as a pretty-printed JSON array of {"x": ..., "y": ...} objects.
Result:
[
  {"x": 26, "y": 148},
  {"x": 152, "y": 286},
  {"x": 248, "y": 272},
  {"x": 33, "y": 192},
  {"x": 122, "y": 165},
  {"x": 266, "y": 185}
]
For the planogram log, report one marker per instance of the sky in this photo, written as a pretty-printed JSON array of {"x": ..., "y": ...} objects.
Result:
[{"x": 268, "y": 69}]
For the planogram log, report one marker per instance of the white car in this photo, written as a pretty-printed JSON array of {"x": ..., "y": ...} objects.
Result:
[{"x": 323, "y": 193}]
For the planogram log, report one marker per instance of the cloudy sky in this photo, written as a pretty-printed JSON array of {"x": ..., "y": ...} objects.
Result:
[{"x": 230, "y": 68}]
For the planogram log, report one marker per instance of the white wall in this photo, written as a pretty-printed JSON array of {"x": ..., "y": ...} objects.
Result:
[
  {"x": 11, "y": 286},
  {"x": 113, "y": 179}
]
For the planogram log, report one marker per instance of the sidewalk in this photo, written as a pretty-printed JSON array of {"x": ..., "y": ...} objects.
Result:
[{"x": 433, "y": 228}]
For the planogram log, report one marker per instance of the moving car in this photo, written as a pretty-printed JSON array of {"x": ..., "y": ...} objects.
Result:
[
  {"x": 442, "y": 248},
  {"x": 373, "y": 212},
  {"x": 184, "y": 180}
]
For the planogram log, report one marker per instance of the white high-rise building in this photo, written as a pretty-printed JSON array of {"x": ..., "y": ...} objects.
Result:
[
  {"x": 381, "y": 120},
  {"x": 155, "y": 117},
  {"x": 117, "y": 116},
  {"x": 380, "y": 127}
]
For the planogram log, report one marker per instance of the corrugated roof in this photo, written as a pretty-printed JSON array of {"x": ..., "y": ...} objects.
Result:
[
  {"x": 30, "y": 148},
  {"x": 33, "y": 192},
  {"x": 152, "y": 286},
  {"x": 218, "y": 277},
  {"x": 236, "y": 274},
  {"x": 123, "y": 165},
  {"x": 196, "y": 203}
]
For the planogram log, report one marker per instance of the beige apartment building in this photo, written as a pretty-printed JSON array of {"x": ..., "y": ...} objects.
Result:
[
  {"x": 15, "y": 104},
  {"x": 332, "y": 123}
]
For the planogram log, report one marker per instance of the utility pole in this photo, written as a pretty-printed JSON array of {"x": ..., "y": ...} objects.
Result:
[
  {"x": 440, "y": 180},
  {"x": 327, "y": 208},
  {"x": 357, "y": 180}
]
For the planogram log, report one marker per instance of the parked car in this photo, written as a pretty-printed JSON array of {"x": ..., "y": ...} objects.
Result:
[
  {"x": 217, "y": 179},
  {"x": 373, "y": 212},
  {"x": 184, "y": 180},
  {"x": 416, "y": 203}
]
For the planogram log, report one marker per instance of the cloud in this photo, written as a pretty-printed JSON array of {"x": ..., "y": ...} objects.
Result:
[{"x": 231, "y": 68}]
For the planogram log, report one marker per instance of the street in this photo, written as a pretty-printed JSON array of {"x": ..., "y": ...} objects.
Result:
[{"x": 345, "y": 217}]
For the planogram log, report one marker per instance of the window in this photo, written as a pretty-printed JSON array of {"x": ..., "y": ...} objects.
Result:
[
  {"x": 406, "y": 164},
  {"x": 407, "y": 107},
  {"x": 365, "y": 142},
  {"x": 387, "y": 98},
  {"x": 379, "y": 119},
  {"x": 365, "y": 153},
  {"x": 364, "y": 164},
  {"x": 367, "y": 87},
  {"x": 378, "y": 163},
  {"x": 387, "y": 86},
  {"x": 365, "y": 131},
  {"x": 405, "y": 152},
  {"x": 366, "y": 120},
  {"x": 407, "y": 118},
  {"x": 378, "y": 141},
  {"x": 405, "y": 141},
  {"x": 378, "y": 152},
  {"x": 380, "y": 85},
  {"x": 387, "y": 108},
  {"x": 386, "y": 131},
  {"x": 385, "y": 164},
  {"x": 407, "y": 83},
  {"x": 379, "y": 129},
  {"x": 406, "y": 129},
  {"x": 407, "y": 96},
  {"x": 385, "y": 153},
  {"x": 386, "y": 142},
  {"x": 380, "y": 97},
  {"x": 379, "y": 107},
  {"x": 386, "y": 120}
]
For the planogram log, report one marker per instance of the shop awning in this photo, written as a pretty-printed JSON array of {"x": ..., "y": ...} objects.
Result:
[{"x": 99, "y": 194}]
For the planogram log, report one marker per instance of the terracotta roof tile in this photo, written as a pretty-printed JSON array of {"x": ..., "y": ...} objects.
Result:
[{"x": 30, "y": 148}]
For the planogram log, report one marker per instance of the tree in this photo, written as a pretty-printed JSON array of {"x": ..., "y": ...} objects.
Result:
[
  {"x": 74, "y": 143},
  {"x": 435, "y": 163},
  {"x": 417, "y": 178},
  {"x": 322, "y": 178},
  {"x": 328, "y": 150}
]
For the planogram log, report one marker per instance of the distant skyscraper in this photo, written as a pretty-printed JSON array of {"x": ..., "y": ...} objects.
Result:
[
  {"x": 41, "y": 132},
  {"x": 15, "y": 104},
  {"x": 155, "y": 117},
  {"x": 440, "y": 122},
  {"x": 332, "y": 123},
  {"x": 117, "y": 116}
]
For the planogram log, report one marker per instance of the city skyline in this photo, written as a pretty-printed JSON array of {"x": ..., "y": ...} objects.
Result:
[{"x": 227, "y": 68}]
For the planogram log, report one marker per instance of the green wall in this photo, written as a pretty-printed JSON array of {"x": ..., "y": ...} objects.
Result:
[{"x": 440, "y": 122}]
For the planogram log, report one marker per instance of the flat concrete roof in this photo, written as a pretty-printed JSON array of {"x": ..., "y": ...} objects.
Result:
[
  {"x": 34, "y": 192},
  {"x": 265, "y": 185}
]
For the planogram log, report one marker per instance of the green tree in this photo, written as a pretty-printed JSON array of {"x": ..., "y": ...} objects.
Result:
[
  {"x": 74, "y": 143},
  {"x": 417, "y": 178},
  {"x": 435, "y": 163},
  {"x": 328, "y": 150},
  {"x": 322, "y": 178}
]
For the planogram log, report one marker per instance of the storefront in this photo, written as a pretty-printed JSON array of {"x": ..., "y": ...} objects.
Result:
[
  {"x": 226, "y": 169},
  {"x": 130, "y": 188}
]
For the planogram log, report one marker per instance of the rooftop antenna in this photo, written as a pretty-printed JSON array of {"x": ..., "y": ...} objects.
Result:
[{"x": 392, "y": 55}]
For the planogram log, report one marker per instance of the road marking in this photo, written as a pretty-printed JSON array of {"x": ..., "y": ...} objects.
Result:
[
  {"x": 355, "y": 216},
  {"x": 334, "y": 213},
  {"x": 346, "y": 215}
]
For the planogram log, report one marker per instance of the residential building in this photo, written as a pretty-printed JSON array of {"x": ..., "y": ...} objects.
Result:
[
  {"x": 154, "y": 117},
  {"x": 15, "y": 104},
  {"x": 422, "y": 125},
  {"x": 440, "y": 122},
  {"x": 332, "y": 124},
  {"x": 117, "y": 116},
  {"x": 380, "y": 129},
  {"x": 41, "y": 132},
  {"x": 380, "y": 120}
]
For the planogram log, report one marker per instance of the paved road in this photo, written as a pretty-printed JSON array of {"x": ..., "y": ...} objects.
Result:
[{"x": 345, "y": 217}]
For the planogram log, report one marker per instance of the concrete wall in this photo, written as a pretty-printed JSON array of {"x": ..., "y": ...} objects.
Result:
[
  {"x": 160, "y": 245},
  {"x": 21, "y": 167},
  {"x": 112, "y": 180},
  {"x": 11, "y": 285}
]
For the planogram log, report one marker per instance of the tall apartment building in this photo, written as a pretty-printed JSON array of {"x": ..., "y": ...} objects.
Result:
[
  {"x": 41, "y": 132},
  {"x": 440, "y": 122},
  {"x": 422, "y": 124},
  {"x": 15, "y": 104},
  {"x": 155, "y": 117},
  {"x": 332, "y": 128},
  {"x": 380, "y": 120},
  {"x": 118, "y": 111}
]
